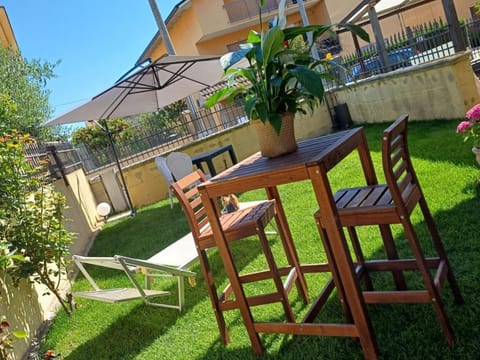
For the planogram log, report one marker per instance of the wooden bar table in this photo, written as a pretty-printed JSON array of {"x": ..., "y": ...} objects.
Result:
[{"x": 313, "y": 159}]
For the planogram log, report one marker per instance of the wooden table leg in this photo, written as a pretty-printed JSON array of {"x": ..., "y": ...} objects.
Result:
[{"x": 343, "y": 261}]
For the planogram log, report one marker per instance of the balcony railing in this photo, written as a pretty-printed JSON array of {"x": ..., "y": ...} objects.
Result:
[{"x": 238, "y": 10}]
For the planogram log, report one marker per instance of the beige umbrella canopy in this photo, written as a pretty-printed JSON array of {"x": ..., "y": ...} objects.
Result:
[{"x": 160, "y": 83}]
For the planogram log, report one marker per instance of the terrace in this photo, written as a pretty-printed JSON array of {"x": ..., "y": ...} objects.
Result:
[{"x": 450, "y": 179}]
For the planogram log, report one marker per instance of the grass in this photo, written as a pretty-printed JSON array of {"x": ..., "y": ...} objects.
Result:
[{"x": 450, "y": 178}]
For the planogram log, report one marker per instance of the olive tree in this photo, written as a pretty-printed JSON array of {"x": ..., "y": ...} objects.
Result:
[{"x": 24, "y": 81}]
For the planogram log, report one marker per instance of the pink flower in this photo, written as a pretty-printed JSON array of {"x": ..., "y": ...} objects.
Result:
[
  {"x": 474, "y": 113},
  {"x": 464, "y": 126}
]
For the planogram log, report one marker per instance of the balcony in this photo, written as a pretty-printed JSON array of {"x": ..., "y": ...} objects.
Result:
[{"x": 238, "y": 10}]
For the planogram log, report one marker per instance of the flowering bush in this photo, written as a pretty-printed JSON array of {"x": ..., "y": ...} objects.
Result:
[
  {"x": 7, "y": 338},
  {"x": 471, "y": 129},
  {"x": 34, "y": 242}
]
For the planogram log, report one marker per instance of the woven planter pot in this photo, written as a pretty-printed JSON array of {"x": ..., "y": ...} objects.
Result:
[{"x": 272, "y": 144}]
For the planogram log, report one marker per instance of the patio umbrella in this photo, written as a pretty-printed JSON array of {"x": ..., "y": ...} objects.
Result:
[
  {"x": 160, "y": 83},
  {"x": 145, "y": 90}
]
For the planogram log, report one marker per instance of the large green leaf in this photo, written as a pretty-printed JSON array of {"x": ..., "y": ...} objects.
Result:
[
  {"x": 293, "y": 32},
  {"x": 276, "y": 122},
  {"x": 253, "y": 37},
  {"x": 250, "y": 106},
  {"x": 357, "y": 30},
  {"x": 218, "y": 96},
  {"x": 272, "y": 43},
  {"x": 262, "y": 110},
  {"x": 309, "y": 79}
]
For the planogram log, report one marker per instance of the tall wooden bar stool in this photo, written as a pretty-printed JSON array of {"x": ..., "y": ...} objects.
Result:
[
  {"x": 246, "y": 221},
  {"x": 393, "y": 203}
]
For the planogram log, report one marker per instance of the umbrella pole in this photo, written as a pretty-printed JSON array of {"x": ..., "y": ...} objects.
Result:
[{"x": 124, "y": 183}]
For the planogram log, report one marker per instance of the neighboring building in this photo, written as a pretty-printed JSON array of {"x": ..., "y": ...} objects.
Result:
[
  {"x": 7, "y": 38},
  {"x": 214, "y": 27},
  {"x": 396, "y": 18},
  {"x": 209, "y": 27}
]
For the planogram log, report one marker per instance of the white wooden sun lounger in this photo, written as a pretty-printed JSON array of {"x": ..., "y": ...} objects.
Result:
[{"x": 173, "y": 261}]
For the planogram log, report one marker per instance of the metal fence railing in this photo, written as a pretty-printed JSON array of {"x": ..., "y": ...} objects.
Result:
[
  {"x": 56, "y": 159},
  {"x": 413, "y": 46},
  {"x": 146, "y": 140}
]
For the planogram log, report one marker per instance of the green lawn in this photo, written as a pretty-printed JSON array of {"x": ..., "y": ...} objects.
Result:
[{"x": 450, "y": 176}]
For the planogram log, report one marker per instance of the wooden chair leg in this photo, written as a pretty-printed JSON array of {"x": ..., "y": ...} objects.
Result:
[
  {"x": 392, "y": 254},
  {"x": 428, "y": 281},
  {"x": 360, "y": 259},
  {"x": 288, "y": 245},
  {"x": 212, "y": 292},
  {"x": 275, "y": 275},
  {"x": 335, "y": 275},
  {"x": 432, "y": 228}
]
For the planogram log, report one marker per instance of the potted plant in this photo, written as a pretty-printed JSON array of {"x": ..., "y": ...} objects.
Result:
[
  {"x": 282, "y": 78},
  {"x": 471, "y": 129}
]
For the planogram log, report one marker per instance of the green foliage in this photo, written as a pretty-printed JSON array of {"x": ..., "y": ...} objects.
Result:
[
  {"x": 131, "y": 133},
  {"x": 164, "y": 118},
  {"x": 33, "y": 239},
  {"x": 96, "y": 138},
  {"x": 24, "y": 82},
  {"x": 477, "y": 7},
  {"x": 8, "y": 337},
  {"x": 282, "y": 75}
]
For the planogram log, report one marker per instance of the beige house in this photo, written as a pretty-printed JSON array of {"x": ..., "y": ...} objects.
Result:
[
  {"x": 209, "y": 27},
  {"x": 214, "y": 27}
]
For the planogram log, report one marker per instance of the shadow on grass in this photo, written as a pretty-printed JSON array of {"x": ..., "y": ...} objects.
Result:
[
  {"x": 422, "y": 135},
  {"x": 403, "y": 331},
  {"x": 130, "y": 328}
]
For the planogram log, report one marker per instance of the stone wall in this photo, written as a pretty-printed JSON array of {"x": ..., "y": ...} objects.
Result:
[{"x": 442, "y": 89}]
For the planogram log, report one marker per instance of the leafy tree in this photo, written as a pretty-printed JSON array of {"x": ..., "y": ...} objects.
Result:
[
  {"x": 96, "y": 138},
  {"x": 164, "y": 118},
  {"x": 24, "y": 82},
  {"x": 33, "y": 239}
]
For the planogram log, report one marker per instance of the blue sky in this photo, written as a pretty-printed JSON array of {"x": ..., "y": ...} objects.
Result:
[{"x": 96, "y": 41}]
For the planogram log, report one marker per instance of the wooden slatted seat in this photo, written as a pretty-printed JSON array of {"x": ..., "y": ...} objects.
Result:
[
  {"x": 245, "y": 222},
  {"x": 393, "y": 203}
]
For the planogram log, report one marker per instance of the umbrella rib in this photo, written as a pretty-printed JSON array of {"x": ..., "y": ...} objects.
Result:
[
  {"x": 120, "y": 98},
  {"x": 135, "y": 84},
  {"x": 178, "y": 75}
]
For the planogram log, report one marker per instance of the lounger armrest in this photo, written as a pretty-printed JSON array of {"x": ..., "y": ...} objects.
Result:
[{"x": 142, "y": 263}]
